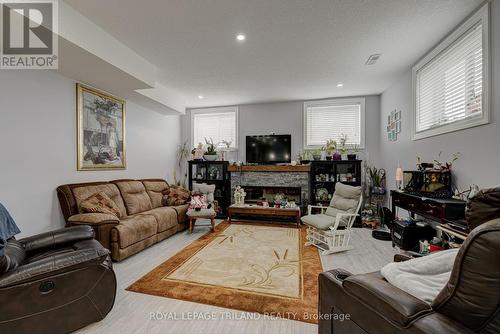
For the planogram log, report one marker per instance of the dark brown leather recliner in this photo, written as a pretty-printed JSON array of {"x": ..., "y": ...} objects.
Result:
[
  {"x": 469, "y": 303},
  {"x": 55, "y": 282}
]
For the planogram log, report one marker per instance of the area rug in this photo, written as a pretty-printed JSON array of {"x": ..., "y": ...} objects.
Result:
[{"x": 261, "y": 268}]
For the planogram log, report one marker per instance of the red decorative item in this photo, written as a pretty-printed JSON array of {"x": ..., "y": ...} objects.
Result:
[{"x": 198, "y": 201}]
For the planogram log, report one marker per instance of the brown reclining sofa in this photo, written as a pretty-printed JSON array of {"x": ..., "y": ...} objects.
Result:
[{"x": 143, "y": 222}]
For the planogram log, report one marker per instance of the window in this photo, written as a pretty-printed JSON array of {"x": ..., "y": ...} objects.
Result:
[
  {"x": 216, "y": 123},
  {"x": 330, "y": 119},
  {"x": 451, "y": 82}
]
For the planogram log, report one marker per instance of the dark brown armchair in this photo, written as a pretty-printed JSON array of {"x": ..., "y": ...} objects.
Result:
[
  {"x": 55, "y": 282},
  {"x": 469, "y": 303}
]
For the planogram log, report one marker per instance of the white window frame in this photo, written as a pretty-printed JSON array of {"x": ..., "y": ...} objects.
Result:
[
  {"x": 217, "y": 110},
  {"x": 481, "y": 16},
  {"x": 335, "y": 102}
]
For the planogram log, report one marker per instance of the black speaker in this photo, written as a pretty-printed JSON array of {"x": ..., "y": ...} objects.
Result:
[{"x": 407, "y": 233}]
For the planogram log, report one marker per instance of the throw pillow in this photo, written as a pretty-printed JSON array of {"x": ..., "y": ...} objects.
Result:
[
  {"x": 100, "y": 203},
  {"x": 198, "y": 201},
  {"x": 175, "y": 195},
  {"x": 206, "y": 189}
]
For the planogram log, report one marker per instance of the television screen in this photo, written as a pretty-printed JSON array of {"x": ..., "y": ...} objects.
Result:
[{"x": 269, "y": 149}]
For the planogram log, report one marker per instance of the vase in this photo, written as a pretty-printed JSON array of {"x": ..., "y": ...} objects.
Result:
[
  {"x": 210, "y": 157},
  {"x": 336, "y": 156},
  {"x": 352, "y": 157}
]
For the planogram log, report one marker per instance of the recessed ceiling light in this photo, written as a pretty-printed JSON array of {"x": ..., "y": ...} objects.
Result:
[
  {"x": 201, "y": 97},
  {"x": 340, "y": 85},
  {"x": 241, "y": 37}
]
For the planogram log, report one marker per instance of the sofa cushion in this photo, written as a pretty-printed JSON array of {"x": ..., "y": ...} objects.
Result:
[
  {"x": 203, "y": 213},
  {"x": 135, "y": 196},
  {"x": 347, "y": 191},
  {"x": 175, "y": 195},
  {"x": 320, "y": 221},
  {"x": 133, "y": 229},
  {"x": 166, "y": 217},
  {"x": 205, "y": 189},
  {"x": 346, "y": 198},
  {"x": 100, "y": 203},
  {"x": 111, "y": 190},
  {"x": 155, "y": 190},
  {"x": 483, "y": 207}
]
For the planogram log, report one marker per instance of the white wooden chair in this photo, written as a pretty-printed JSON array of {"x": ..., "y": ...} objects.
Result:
[{"x": 330, "y": 230}]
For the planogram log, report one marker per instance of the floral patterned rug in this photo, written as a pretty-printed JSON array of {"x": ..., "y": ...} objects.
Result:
[{"x": 262, "y": 268}]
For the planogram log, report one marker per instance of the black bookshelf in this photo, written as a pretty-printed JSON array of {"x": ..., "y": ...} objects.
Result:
[
  {"x": 326, "y": 173},
  {"x": 213, "y": 172}
]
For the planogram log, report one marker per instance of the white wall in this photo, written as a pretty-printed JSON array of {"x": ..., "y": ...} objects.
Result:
[
  {"x": 287, "y": 118},
  {"x": 38, "y": 146},
  {"x": 479, "y": 146}
]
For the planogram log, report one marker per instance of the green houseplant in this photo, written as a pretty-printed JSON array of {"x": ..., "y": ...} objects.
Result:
[
  {"x": 377, "y": 179},
  {"x": 353, "y": 155}
]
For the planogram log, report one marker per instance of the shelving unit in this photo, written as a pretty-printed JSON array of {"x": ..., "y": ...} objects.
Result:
[
  {"x": 325, "y": 174},
  {"x": 213, "y": 172}
]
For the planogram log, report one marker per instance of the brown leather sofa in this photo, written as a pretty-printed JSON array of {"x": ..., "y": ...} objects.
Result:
[
  {"x": 469, "y": 303},
  {"x": 55, "y": 282},
  {"x": 144, "y": 221}
]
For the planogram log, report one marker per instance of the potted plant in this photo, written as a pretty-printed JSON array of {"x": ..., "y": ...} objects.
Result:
[
  {"x": 445, "y": 166},
  {"x": 377, "y": 180},
  {"x": 211, "y": 152},
  {"x": 354, "y": 153},
  {"x": 330, "y": 148},
  {"x": 343, "y": 146},
  {"x": 316, "y": 154}
]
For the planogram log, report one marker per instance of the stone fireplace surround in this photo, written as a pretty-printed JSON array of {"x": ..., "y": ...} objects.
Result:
[{"x": 272, "y": 177}]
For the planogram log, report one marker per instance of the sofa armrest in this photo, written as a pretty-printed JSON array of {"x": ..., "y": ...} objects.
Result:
[
  {"x": 93, "y": 219},
  {"x": 86, "y": 252},
  {"x": 393, "y": 304},
  {"x": 56, "y": 238},
  {"x": 101, "y": 223}
]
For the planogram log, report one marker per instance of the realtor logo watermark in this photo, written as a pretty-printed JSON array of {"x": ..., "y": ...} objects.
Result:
[{"x": 28, "y": 35}]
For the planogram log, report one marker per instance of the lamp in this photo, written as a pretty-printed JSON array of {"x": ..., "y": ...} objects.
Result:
[{"x": 399, "y": 177}]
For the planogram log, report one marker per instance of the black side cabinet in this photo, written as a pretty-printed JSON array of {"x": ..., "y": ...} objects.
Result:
[
  {"x": 213, "y": 172},
  {"x": 326, "y": 173}
]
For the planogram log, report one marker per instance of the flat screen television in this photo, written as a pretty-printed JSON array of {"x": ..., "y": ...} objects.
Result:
[{"x": 269, "y": 149}]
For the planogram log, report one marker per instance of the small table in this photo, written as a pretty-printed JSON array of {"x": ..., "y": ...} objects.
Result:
[
  {"x": 256, "y": 210},
  {"x": 203, "y": 213}
]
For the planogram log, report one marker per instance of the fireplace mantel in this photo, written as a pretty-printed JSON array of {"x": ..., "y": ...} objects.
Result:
[{"x": 270, "y": 168}]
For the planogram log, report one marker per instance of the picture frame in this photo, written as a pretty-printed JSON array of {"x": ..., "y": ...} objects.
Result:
[
  {"x": 393, "y": 125},
  {"x": 101, "y": 131}
]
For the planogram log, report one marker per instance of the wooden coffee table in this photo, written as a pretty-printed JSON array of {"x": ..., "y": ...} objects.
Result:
[{"x": 255, "y": 210}]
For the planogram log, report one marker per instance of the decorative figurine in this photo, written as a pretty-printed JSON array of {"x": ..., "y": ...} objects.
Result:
[
  {"x": 239, "y": 196},
  {"x": 198, "y": 152}
]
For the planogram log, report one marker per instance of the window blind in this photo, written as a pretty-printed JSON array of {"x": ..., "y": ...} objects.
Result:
[
  {"x": 218, "y": 126},
  {"x": 450, "y": 86},
  {"x": 331, "y": 121}
]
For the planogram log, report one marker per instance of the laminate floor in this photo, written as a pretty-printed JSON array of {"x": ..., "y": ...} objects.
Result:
[{"x": 141, "y": 313}]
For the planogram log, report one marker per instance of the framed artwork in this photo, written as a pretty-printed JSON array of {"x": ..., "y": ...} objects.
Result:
[
  {"x": 100, "y": 130},
  {"x": 393, "y": 125}
]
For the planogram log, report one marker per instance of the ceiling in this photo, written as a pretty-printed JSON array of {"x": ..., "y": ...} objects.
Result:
[{"x": 295, "y": 49}]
